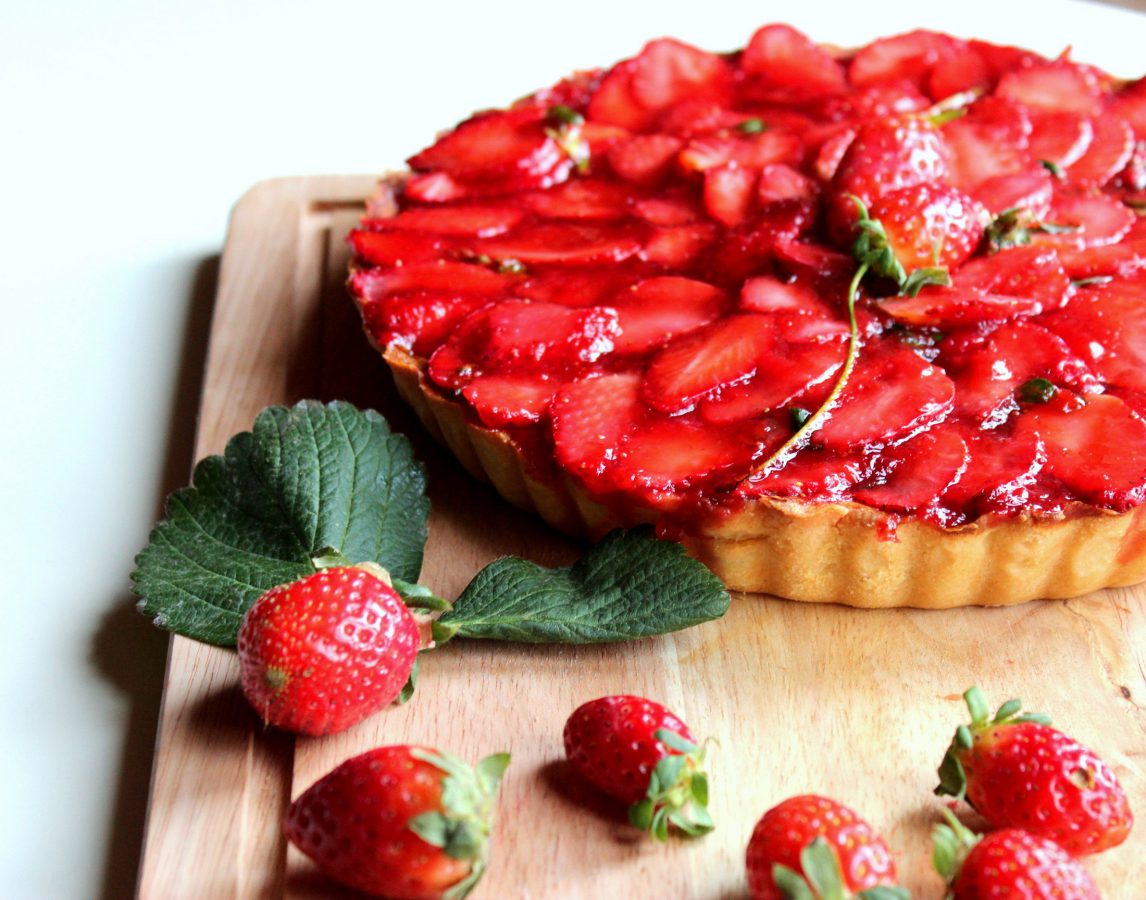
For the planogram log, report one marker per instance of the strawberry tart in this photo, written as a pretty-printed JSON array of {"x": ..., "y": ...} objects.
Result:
[{"x": 864, "y": 327}]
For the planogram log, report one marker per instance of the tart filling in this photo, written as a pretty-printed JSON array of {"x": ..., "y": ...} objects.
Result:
[{"x": 906, "y": 282}]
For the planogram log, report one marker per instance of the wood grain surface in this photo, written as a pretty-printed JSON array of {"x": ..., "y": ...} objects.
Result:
[{"x": 859, "y": 705}]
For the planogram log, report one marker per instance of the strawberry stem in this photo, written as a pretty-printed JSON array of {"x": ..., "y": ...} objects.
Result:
[{"x": 812, "y": 423}]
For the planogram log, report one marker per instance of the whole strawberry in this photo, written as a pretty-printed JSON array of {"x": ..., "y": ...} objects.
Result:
[
  {"x": 638, "y": 752},
  {"x": 408, "y": 823},
  {"x": 1007, "y": 863},
  {"x": 930, "y": 225},
  {"x": 321, "y": 654},
  {"x": 811, "y": 847},
  {"x": 1018, "y": 772}
]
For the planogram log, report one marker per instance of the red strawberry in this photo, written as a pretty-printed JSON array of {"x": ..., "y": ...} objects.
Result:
[
  {"x": 823, "y": 841},
  {"x": 911, "y": 475},
  {"x": 320, "y": 654},
  {"x": 1019, "y": 772},
  {"x": 786, "y": 66},
  {"x": 395, "y": 248},
  {"x": 563, "y": 243},
  {"x": 645, "y": 159},
  {"x": 768, "y": 294},
  {"x": 1031, "y": 273},
  {"x": 653, "y": 311},
  {"x": 886, "y": 155},
  {"x": 463, "y": 219},
  {"x": 696, "y": 365},
  {"x": 591, "y": 419},
  {"x": 1007, "y": 863},
  {"x": 675, "y": 249},
  {"x": 730, "y": 193},
  {"x": 999, "y": 471},
  {"x": 781, "y": 182},
  {"x": 1059, "y": 86},
  {"x": 1108, "y": 153},
  {"x": 1082, "y": 220},
  {"x": 1029, "y": 191},
  {"x": 989, "y": 141},
  {"x": 905, "y": 57},
  {"x": 962, "y": 69},
  {"x": 506, "y": 400},
  {"x": 891, "y": 392},
  {"x": 574, "y": 286},
  {"x": 1095, "y": 446},
  {"x": 419, "y": 321},
  {"x": 1059, "y": 138},
  {"x": 581, "y": 198},
  {"x": 1123, "y": 259},
  {"x": 638, "y": 752},
  {"x": 441, "y": 275},
  {"x": 1106, "y": 327},
  {"x": 410, "y": 823},
  {"x": 930, "y": 225}
]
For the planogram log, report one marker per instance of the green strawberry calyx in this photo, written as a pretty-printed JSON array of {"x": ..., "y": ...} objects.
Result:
[
  {"x": 822, "y": 878},
  {"x": 463, "y": 826},
  {"x": 952, "y": 777},
  {"x": 677, "y": 793},
  {"x": 951, "y": 843}
]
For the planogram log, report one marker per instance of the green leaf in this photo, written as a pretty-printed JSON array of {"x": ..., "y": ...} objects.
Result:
[
  {"x": 752, "y": 126},
  {"x": 674, "y": 740},
  {"x": 822, "y": 869},
  {"x": 417, "y": 596},
  {"x": 630, "y": 585},
  {"x": 883, "y": 892},
  {"x": 921, "y": 278},
  {"x": 791, "y": 884},
  {"x": 407, "y": 691},
  {"x": 304, "y": 482},
  {"x": 431, "y": 827}
]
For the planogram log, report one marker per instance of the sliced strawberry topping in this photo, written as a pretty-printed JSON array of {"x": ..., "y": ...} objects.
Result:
[
  {"x": 696, "y": 365},
  {"x": 654, "y": 311},
  {"x": 669, "y": 71},
  {"x": 781, "y": 182},
  {"x": 999, "y": 470},
  {"x": 395, "y": 248},
  {"x": 991, "y": 140},
  {"x": 1130, "y": 104},
  {"x": 645, "y": 159},
  {"x": 591, "y": 419},
  {"x": 768, "y": 294},
  {"x": 1122, "y": 259},
  {"x": 1060, "y": 138},
  {"x": 1033, "y": 273},
  {"x": 1030, "y": 191},
  {"x": 575, "y": 285},
  {"x": 754, "y": 152},
  {"x": 1108, "y": 153},
  {"x": 613, "y": 102},
  {"x": 1084, "y": 220},
  {"x": 1106, "y": 327},
  {"x": 565, "y": 244},
  {"x": 676, "y": 248},
  {"x": 507, "y": 400},
  {"x": 748, "y": 249},
  {"x": 930, "y": 225},
  {"x": 891, "y": 392},
  {"x": 953, "y": 306},
  {"x": 518, "y": 336},
  {"x": 419, "y": 321},
  {"x": 581, "y": 198},
  {"x": 905, "y": 57},
  {"x": 439, "y": 276},
  {"x": 1096, "y": 448},
  {"x": 462, "y": 220},
  {"x": 1059, "y": 86},
  {"x": 433, "y": 187},
  {"x": 730, "y": 193},
  {"x": 832, "y": 152},
  {"x": 786, "y": 66},
  {"x": 812, "y": 474},
  {"x": 913, "y": 474},
  {"x": 672, "y": 209},
  {"x": 962, "y": 69}
]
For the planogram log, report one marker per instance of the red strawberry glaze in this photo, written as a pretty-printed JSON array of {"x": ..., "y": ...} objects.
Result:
[{"x": 640, "y": 276}]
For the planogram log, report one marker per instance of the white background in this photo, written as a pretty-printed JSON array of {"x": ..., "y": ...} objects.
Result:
[{"x": 127, "y": 131}]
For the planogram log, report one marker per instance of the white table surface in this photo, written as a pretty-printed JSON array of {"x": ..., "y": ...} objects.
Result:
[{"x": 127, "y": 131}]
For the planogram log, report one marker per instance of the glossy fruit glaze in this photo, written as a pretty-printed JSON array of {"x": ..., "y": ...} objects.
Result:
[{"x": 641, "y": 275}]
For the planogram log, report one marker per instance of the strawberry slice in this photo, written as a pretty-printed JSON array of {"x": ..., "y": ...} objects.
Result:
[
  {"x": 574, "y": 285},
  {"x": 1058, "y": 86},
  {"x": 730, "y": 193},
  {"x": 645, "y": 159},
  {"x": 781, "y": 182},
  {"x": 1106, "y": 327},
  {"x": 788, "y": 67},
  {"x": 793, "y": 374},
  {"x": 1096, "y": 448},
  {"x": 581, "y": 198},
  {"x": 1061, "y": 138},
  {"x": 999, "y": 470},
  {"x": 696, "y": 365},
  {"x": 1014, "y": 354},
  {"x": 518, "y": 337},
  {"x": 1001, "y": 58},
  {"x": 891, "y": 392},
  {"x": 767, "y": 293},
  {"x": 1130, "y": 104},
  {"x": 693, "y": 117},
  {"x": 462, "y": 219},
  {"x": 991, "y": 140},
  {"x": 419, "y": 321},
  {"x": 812, "y": 474},
  {"x": 564, "y": 244},
  {"x": 675, "y": 249},
  {"x": 590, "y": 421},
  {"x": 831, "y": 153},
  {"x": 613, "y": 102},
  {"x": 672, "y": 209},
  {"x": 665, "y": 457},
  {"x": 904, "y": 57},
  {"x": 802, "y": 258},
  {"x": 1031, "y": 273},
  {"x": 503, "y": 401},
  {"x": 433, "y": 187},
  {"x": 655, "y": 310},
  {"x": 962, "y": 69},
  {"x": 1091, "y": 220},
  {"x": 1124, "y": 259},
  {"x": 669, "y": 71},
  {"x": 946, "y": 307},
  {"x": 395, "y": 248},
  {"x": 441, "y": 276},
  {"x": 930, "y": 225},
  {"x": 503, "y": 144},
  {"x": 913, "y": 474},
  {"x": 1030, "y": 191},
  {"x": 753, "y": 152},
  {"x": 1108, "y": 153}
]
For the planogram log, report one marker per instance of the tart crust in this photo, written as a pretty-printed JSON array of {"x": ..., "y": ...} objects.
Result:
[{"x": 820, "y": 552}]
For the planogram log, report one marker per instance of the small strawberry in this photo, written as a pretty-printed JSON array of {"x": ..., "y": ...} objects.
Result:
[
  {"x": 408, "y": 823},
  {"x": 1018, "y": 772},
  {"x": 930, "y": 225},
  {"x": 321, "y": 654},
  {"x": 1007, "y": 863},
  {"x": 638, "y": 752},
  {"x": 809, "y": 847}
]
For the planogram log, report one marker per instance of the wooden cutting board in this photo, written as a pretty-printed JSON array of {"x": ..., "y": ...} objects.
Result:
[{"x": 859, "y": 705}]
